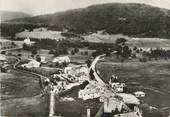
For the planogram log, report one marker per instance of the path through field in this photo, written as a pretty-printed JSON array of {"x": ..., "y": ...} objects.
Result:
[{"x": 20, "y": 95}]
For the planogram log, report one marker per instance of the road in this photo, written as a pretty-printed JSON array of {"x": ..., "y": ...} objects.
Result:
[
  {"x": 100, "y": 81},
  {"x": 10, "y": 49}
]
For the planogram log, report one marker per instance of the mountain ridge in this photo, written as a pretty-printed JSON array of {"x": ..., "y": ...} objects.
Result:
[
  {"x": 9, "y": 15},
  {"x": 114, "y": 18}
]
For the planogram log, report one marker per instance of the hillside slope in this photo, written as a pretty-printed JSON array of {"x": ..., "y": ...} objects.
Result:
[
  {"x": 8, "y": 15},
  {"x": 129, "y": 19}
]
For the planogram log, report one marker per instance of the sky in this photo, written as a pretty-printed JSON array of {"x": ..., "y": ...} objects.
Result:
[{"x": 37, "y": 7}]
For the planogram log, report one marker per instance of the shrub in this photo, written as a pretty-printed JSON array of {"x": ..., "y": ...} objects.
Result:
[
  {"x": 81, "y": 53},
  {"x": 34, "y": 52},
  {"x": 144, "y": 60},
  {"x": 120, "y": 40},
  {"x": 3, "y": 52},
  {"x": 19, "y": 55},
  {"x": 38, "y": 58},
  {"x": 86, "y": 53},
  {"x": 76, "y": 50},
  {"x": 9, "y": 53},
  {"x": 88, "y": 62},
  {"x": 51, "y": 51},
  {"x": 122, "y": 60},
  {"x": 140, "y": 60},
  {"x": 149, "y": 59},
  {"x": 133, "y": 55},
  {"x": 72, "y": 52},
  {"x": 94, "y": 54}
]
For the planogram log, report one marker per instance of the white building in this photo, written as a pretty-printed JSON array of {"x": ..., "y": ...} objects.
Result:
[
  {"x": 43, "y": 59},
  {"x": 28, "y": 42},
  {"x": 61, "y": 59},
  {"x": 2, "y": 57},
  {"x": 31, "y": 64},
  {"x": 91, "y": 91},
  {"x": 139, "y": 94},
  {"x": 114, "y": 83},
  {"x": 129, "y": 98}
]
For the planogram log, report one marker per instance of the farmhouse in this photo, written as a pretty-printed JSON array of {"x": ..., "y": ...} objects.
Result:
[
  {"x": 31, "y": 64},
  {"x": 139, "y": 94},
  {"x": 28, "y": 42},
  {"x": 61, "y": 59}
]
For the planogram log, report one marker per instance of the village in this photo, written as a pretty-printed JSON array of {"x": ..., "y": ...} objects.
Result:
[
  {"x": 77, "y": 74},
  {"x": 114, "y": 96},
  {"x": 85, "y": 58}
]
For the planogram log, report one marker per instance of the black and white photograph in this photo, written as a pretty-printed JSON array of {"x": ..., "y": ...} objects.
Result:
[{"x": 84, "y": 58}]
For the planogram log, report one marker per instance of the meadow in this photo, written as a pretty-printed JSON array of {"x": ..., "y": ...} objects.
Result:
[
  {"x": 20, "y": 95},
  {"x": 153, "y": 77}
]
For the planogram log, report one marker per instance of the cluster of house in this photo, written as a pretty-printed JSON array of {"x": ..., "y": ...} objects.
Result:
[
  {"x": 119, "y": 108},
  {"x": 67, "y": 78},
  {"x": 95, "y": 90},
  {"x": 56, "y": 84},
  {"x": 79, "y": 72},
  {"x": 91, "y": 91},
  {"x": 34, "y": 63},
  {"x": 114, "y": 83},
  {"x": 113, "y": 105},
  {"x": 31, "y": 64},
  {"x": 59, "y": 83},
  {"x": 73, "y": 73}
]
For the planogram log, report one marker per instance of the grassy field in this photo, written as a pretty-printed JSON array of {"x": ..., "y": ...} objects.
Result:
[
  {"x": 139, "y": 42},
  {"x": 77, "y": 108},
  {"x": 27, "y": 54},
  {"x": 20, "y": 96},
  {"x": 154, "y": 78}
]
